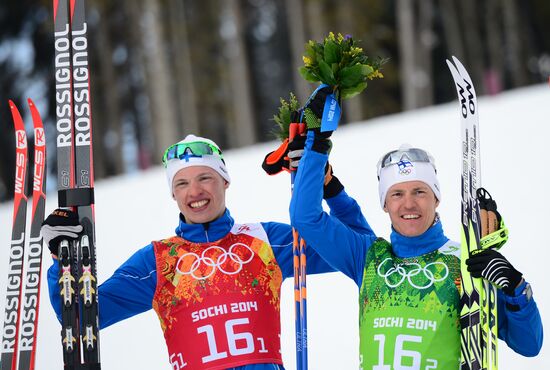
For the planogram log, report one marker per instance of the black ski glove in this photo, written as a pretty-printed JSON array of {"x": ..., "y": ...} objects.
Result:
[
  {"x": 495, "y": 268},
  {"x": 313, "y": 113},
  {"x": 316, "y": 105},
  {"x": 61, "y": 224},
  {"x": 296, "y": 151},
  {"x": 332, "y": 186}
]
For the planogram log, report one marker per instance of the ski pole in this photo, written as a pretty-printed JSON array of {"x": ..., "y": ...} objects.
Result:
[{"x": 299, "y": 264}]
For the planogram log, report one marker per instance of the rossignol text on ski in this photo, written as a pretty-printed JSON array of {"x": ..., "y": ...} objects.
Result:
[
  {"x": 19, "y": 333},
  {"x": 77, "y": 279}
]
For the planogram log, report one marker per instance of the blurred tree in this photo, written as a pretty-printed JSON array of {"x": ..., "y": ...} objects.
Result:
[
  {"x": 267, "y": 31},
  {"x": 107, "y": 122},
  {"x": 451, "y": 28},
  {"x": 375, "y": 24},
  {"x": 346, "y": 25},
  {"x": 181, "y": 63},
  {"x": 473, "y": 38},
  {"x": 495, "y": 69},
  {"x": 416, "y": 41},
  {"x": 297, "y": 39},
  {"x": 137, "y": 124},
  {"x": 407, "y": 47},
  {"x": 314, "y": 14},
  {"x": 207, "y": 59},
  {"x": 26, "y": 52},
  {"x": 513, "y": 45},
  {"x": 240, "y": 125},
  {"x": 157, "y": 71}
]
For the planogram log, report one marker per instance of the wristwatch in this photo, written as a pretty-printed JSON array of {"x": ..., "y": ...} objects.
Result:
[{"x": 515, "y": 303}]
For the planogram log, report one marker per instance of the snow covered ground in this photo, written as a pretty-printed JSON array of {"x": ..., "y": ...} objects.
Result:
[{"x": 132, "y": 210}]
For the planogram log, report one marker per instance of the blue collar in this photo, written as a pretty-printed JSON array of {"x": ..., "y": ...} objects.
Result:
[
  {"x": 208, "y": 232},
  {"x": 412, "y": 246}
]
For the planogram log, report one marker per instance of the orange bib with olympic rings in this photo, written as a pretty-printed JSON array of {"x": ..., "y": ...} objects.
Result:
[{"x": 218, "y": 303}]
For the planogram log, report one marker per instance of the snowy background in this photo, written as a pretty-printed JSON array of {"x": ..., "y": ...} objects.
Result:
[{"x": 134, "y": 209}]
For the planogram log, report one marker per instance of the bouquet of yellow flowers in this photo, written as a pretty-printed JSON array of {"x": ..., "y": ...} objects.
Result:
[
  {"x": 337, "y": 62},
  {"x": 341, "y": 64}
]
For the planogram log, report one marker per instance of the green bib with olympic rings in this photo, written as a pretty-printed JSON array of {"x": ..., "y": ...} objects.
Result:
[{"x": 408, "y": 309}]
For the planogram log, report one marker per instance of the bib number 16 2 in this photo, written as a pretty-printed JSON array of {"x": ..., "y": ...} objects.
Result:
[{"x": 415, "y": 357}]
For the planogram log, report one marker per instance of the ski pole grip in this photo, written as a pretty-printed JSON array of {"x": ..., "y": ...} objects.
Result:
[
  {"x": 292, "y": 131},
  {"x": 296, "y": 128},
  {"x": 301, "y": 128},
  {"x": 75, "y": 197}
]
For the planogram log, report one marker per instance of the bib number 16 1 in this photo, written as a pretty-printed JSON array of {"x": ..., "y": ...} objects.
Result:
[{"x": 232, "y": 338}]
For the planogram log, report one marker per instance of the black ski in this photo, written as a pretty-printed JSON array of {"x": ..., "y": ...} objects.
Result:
[{"x": 77, "y": 280}]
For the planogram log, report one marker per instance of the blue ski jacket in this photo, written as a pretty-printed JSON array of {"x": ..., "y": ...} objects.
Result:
[
  {"x": 130, "y": 290},
  {"x": 345, "y": 248}
]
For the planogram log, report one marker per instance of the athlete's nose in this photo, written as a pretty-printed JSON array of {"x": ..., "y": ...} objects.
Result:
[
  {"x": 408, "y": 201},
  {"x": 195, "y": 188}
]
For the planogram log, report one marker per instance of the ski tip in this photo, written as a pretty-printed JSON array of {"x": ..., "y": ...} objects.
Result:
[
  {"x": 11, "y": 103},
  {"x": 454, "y": 71},
  {"x": 31, "y": 103},
  {"x": 454, "y": 61},
  {"x": 460, "y": 67}
]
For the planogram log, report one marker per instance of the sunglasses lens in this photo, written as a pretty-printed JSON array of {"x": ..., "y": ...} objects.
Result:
[
  {"x": 188, "y": 150},
  {"x": 412, "y": 154}
]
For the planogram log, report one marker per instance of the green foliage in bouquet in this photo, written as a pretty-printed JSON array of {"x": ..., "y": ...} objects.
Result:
[
  {"x": 284, "y": 115},
  {"x": 339, "y": 63}
]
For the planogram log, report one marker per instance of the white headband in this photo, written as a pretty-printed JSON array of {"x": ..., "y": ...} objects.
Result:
[
  {"x": 213, "y": 161},
  {"x": 404, "y": 171}
]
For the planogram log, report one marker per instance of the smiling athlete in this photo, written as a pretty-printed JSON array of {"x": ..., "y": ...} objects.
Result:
[
  {"x": 215, "y": 285},
  {"x": 408, "y": 288}
]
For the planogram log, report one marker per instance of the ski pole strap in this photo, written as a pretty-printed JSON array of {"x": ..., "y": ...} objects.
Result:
[
  {"x": 75, "y": 197},
  {"x": 495, "y": 239}
]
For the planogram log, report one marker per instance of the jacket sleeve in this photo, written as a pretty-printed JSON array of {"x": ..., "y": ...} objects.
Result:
[
  {"x": 126, "y": 293},
  {"x": 342, "y": 247},
  {"x": 280, "y": 238},
  {"x": 522, "y": 329},
  {"x": 346, "y": 209}
]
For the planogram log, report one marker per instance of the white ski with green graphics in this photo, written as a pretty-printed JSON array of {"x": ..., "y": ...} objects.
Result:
[{"x": 478, "y": 311}]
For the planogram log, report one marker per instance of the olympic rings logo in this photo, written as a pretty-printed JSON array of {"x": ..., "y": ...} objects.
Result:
[
  {"x": 405, "y": 167},
  {"x": 397, "y": 274},
  {"x": 405, "y": 171},
  {"x": 229, "y": 262}
]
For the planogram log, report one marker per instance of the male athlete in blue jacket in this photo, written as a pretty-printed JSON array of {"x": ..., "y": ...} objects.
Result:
[
  {"x": 215, "y": 284},
  {"x": 408, "y": 293}
]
